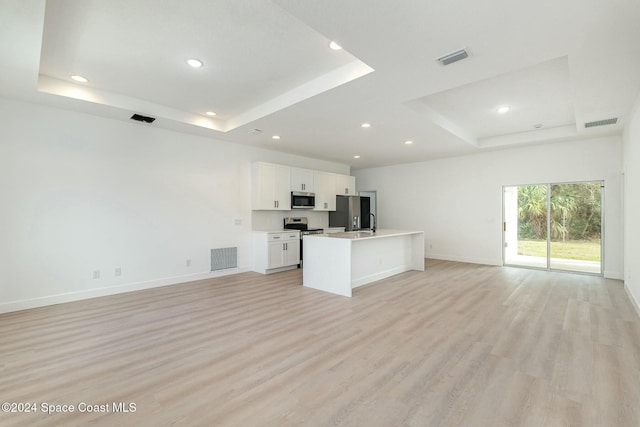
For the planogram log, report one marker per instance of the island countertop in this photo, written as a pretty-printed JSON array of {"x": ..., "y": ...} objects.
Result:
[
  {"x": 339, "y": 262},
  {"x": 366, "y": 234}
]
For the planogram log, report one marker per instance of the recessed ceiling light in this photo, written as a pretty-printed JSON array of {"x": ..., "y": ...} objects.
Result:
[
  {"x": 356, "y": 157},
  {"x": 503, "y": 109},
  {"x": 79, "y": 79},
  {"x": 408, "y": 142},
  {"x": 210, "y": 113},
  {"x": 334, "y": 46},
  {"x": 195, "y": 63},
  {"x": 366, "y": 125},
  {"x": 538, "y": 125},
  {"x": 275, "y": 137}
]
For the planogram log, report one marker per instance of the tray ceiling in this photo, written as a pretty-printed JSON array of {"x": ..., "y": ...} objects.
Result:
[{"x": 267, "y": 66}]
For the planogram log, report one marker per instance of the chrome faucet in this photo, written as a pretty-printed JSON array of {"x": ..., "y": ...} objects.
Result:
[{"x": 373, "y": 224}]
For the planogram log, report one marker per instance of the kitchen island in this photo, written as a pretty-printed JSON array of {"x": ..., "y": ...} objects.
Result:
[{"x": 339, "y": 262}]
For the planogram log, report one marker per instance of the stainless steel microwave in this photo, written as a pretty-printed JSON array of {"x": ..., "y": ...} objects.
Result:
[{"x": 301, "y": 200}]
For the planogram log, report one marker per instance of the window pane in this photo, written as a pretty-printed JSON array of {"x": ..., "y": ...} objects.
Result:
[{"x": 576, "y": 226}]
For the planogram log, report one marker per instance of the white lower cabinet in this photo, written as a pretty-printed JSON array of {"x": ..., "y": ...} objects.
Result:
[{"x": 275, "y": 251}]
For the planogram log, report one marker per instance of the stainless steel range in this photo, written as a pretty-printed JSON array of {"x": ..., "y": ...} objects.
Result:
[{"x": 302, "y": 224}]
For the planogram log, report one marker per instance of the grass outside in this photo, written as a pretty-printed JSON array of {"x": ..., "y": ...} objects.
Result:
[{"x": 583, "y": 250}]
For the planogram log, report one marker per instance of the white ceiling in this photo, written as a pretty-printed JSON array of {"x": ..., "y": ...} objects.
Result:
[
  {"x": 268, "y": 67},
  {"x": 541, "y": 92}
]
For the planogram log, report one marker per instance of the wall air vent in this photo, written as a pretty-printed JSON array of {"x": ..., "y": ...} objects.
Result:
[
  {"x": 601, "y": 123},
  {"x": 141, "y": 118},
  {"x": 453, "y": 57},
  {"x": 224, "y": 258}
]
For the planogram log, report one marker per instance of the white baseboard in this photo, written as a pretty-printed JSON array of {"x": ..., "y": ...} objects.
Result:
[
  {"x": 486, "y": 261},
  {"x": 274, "y": 270},
  {"x": 633, "y": 299},
  {"x": 26, "y": 304},
  {"x": 613, "y": 275},
  {"x": 379, "y": 275},
  {"x": 483, "y": 261}
]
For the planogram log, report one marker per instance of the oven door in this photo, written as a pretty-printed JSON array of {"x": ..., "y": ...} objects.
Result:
[{"x": 300, "y": 200}]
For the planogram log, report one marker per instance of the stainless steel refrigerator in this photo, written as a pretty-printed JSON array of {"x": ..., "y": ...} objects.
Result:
[{"x": 352, "y": 213}]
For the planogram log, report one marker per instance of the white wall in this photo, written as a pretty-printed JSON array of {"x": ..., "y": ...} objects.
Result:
[
  {"x": 631, "y": 150},
  {"x": 273, "y": 220},
  {"x": 457, "y": 202},
  {"x": 82, "y": 193}
]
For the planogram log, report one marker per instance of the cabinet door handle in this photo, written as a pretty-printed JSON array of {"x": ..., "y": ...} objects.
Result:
[
  {"x": 303, "y": 186},
  {"x": 276, "y": 237}
]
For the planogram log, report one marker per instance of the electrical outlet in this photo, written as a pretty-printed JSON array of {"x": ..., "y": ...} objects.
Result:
[
  {"x": 188, "y": 263},
  {"x": 118, "y": 271},
  {"x": 96, "y": 274}
]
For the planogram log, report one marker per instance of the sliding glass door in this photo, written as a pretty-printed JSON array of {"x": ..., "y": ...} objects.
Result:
[
  {"x": 576, "y": 227},
  {"x": 554, "y": 226},
  {"x": 525, "y": 226}
]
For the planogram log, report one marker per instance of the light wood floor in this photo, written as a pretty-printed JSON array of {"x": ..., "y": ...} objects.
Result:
[{"x": 457, "y": 345}]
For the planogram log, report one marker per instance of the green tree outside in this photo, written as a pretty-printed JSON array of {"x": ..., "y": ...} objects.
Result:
[{"x": 575, "y": 217}]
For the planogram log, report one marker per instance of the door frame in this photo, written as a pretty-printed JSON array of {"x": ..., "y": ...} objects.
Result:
[{"x": 548, "y": 268}]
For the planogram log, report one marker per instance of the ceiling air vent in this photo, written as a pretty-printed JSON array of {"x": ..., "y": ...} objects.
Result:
[
  {"x": 601, "y": 123},
  {"x": 141, "y": 118},
  {"x": 453, "y": 57}
]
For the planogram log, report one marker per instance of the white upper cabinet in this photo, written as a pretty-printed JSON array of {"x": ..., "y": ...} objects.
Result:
[
  {"x": 325, "y": 189},
  {"x": 302, "y": 180},
  {"x": 345, "y": 185},
  {"x": 270, "y": 187}
]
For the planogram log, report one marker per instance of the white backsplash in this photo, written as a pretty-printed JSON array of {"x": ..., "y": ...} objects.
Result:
[{"x": 274, "y": 220}]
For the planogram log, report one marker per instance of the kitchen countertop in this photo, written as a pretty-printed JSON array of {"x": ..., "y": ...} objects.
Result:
[
  {"x": 339, "y": 262},
  {"x": 275, "y": 231},
  {"x": 366, "y": 234},
  {"x": 285, "y": 230}
]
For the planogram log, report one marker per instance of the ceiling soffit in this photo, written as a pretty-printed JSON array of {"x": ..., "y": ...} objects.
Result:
[
  {"x": 258, "y": 59},
  {"x": 538, "y": 100}
]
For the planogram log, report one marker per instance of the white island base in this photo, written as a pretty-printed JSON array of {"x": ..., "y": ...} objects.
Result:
[{"x": 339, "y": 262}]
